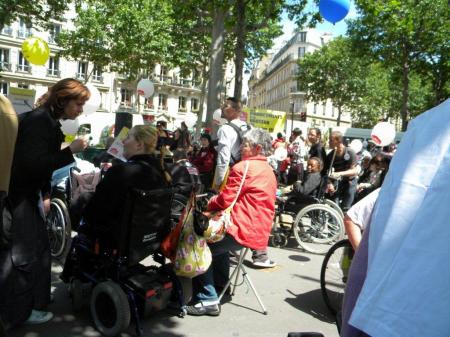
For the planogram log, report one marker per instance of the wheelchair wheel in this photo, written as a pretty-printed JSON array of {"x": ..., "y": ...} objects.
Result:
[
  {"x": 59, "y": 228},
  {"x": 179, "y": 203},
  {"x": 278, "y": 239},
  {"x": 334, "y": 273},
  {"x": 334, "y": 206},
  {"x": 316, "y": 227},
  {"x": 110, "y": 309}
]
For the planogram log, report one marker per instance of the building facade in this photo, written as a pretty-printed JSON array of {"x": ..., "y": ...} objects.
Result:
[
  {"x": 273, "y": 84},
  {"x": 174, "y": 96}
]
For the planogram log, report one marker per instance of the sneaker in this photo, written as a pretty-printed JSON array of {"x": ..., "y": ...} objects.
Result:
[
  {"x": 39, "y": 317},
  {"x": 264, "y": 264},
  {"x": 199, "y": 309}
]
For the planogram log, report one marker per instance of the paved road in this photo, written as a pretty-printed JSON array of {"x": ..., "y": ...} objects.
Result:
[{"x": 290, "y": 291}]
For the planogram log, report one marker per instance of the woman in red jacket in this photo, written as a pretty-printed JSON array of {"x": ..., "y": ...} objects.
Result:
[{"x": 252, "y": 217}]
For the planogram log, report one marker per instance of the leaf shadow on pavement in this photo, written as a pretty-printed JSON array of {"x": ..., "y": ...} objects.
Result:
[{"x": 311, "y": 303}]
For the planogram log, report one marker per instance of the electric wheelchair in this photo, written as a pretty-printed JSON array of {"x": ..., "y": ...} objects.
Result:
[{"x": 121, "y": 288}]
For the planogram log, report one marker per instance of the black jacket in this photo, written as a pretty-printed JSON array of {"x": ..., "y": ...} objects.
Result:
[
  {"x": 105, "y": 210},
  {"x": 37, "y": 154}
]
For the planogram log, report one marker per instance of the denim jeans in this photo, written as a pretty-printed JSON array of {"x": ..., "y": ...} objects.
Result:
[
  {"x": 346, "y": 193},
  {"x": 217, "y": 274}
]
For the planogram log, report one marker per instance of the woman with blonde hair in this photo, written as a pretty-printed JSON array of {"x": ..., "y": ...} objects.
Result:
[
  {"x": 143, "y": 170},
  {"x": 25, "y": 266}
]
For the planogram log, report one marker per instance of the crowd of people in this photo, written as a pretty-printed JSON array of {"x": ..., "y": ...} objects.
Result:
[{"x": 239, "y": 165}]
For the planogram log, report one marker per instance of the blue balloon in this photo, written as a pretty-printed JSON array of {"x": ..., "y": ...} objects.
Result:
[{"x": 334, "y": 10}]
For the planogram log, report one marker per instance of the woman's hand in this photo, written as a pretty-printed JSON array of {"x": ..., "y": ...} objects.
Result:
[{"x": 78, "y": 145}]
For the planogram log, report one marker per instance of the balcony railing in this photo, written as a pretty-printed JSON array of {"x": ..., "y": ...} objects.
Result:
[
  {"x": 80, "y": 76},
  {"x": 7, "y": 31},
  {"x": 51, "y": 39},
  {"x": 23, "y": 68},
  {"x": 53, "y": 72},
  {"x": 24, "y": 33},
  {"x": 5, "y": 66},
  {"x": 97, "y": 78}
]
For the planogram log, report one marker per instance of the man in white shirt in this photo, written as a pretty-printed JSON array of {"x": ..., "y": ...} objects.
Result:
[{"x": 228, "y": 148}]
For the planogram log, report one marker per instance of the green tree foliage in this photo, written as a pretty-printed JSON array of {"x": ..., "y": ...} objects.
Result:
[
  {"x": 129, "y": 36},
  {"x": 332, "y": 73},
  {"x": 34, "y": 13},
  {"x": 406, "y": 36}
]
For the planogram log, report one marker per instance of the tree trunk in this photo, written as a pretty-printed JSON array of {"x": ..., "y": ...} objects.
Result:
[
  {"x": 240, "y": 47},
  {"x": 405, "y": 92},
  {"x": 216, "y": 62},
  {"x": 199, "y": 124}
]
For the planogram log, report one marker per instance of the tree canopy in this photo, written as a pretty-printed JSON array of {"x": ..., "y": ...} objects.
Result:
[{"x": 34, "y": 13}]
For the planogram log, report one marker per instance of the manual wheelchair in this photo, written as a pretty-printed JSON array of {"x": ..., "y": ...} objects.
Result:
[
  {"x": 316, "y": 222},
  {"x": 121, "y": 288}
]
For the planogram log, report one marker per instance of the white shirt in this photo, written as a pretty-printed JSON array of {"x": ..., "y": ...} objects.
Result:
[
  {"x": 361, "y": 212},
  {"x": 407, "y": 292},
  {"x": 228, "y": 144}
]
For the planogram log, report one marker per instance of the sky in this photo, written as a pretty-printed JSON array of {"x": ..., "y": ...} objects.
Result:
[{"x": 340, "y": 28}]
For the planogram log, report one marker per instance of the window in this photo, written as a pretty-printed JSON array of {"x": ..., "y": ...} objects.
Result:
[
  {"x": 53, "y": 66},
  {"x": 333, "y": 110},
  {"x": 23, "y": 65},
  {"x": 24, "y": 29},
  {"x": 194, "y": 104},
  {"x": 302, "y": 37},
  {"x": 315, "y": 109},
  {"x": 148, "y": 103},
  {"x": 125, "y": 96},
  {"x": 182, "y": 103},
  {"x": 23, "y": 86},
  {"x": 301, "y": 52},
  {"x": 162, "y": 101},
  {"x": 97, "y": 74},
  {"x": 324, "y": 109},
  {"x": 4, "y": 88},
  {"x": 4, "y": 60},
  {"x": 7, "y": 30},
  {"x": 82, "y": 70},
  {"x": 54, "y": 32}
]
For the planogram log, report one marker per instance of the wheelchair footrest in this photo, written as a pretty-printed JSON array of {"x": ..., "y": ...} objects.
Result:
[{"x": 153, "y": 290}]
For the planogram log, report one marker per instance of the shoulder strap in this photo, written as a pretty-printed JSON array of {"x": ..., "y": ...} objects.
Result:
[
  {"x": 237, "y": 129},
  {"x": 240, "y": 187}
]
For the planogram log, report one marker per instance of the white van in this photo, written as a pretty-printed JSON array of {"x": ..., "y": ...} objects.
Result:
[
  {"x": 364, "y": 134},
  {"x": 100, "y": 125}
]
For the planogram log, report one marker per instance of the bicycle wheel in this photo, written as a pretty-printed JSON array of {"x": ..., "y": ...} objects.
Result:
[
  {"x": 334, "y": 273},
  {"x": 317, "y": 227},
  {"x": 59, "y": 228}
]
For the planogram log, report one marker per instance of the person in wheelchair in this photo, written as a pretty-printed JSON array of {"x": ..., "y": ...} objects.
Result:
[
  {"x": 304, "y": 192},
  {"x": 103, "y": 214}
]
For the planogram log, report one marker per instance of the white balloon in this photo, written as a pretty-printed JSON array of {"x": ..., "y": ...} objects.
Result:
[
  {"x": 356, "y": 145},
  {"x": 93, "y": 103},
  {"x": 217, "y": 117},
  {"x": 280, "y": 154},
  {"x": 190, "y": 119},
  {"x": 383, "y": 133},
  {"x": 69, "y": 126},
  {"x": 145, "y": 88}
]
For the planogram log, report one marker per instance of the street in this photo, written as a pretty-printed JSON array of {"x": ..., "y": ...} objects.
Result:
[{"x": 290, "y": 292}]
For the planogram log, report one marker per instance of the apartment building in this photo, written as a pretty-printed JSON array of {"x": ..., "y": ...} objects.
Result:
[
  {"x": 273, "y": 83},
  {"x": 174, "y": 96}
]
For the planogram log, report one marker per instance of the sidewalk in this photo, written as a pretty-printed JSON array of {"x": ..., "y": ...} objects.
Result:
[{"x": 290, "y": 292}]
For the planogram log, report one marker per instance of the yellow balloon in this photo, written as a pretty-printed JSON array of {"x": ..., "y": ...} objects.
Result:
[{"x": 35, "y": 50}]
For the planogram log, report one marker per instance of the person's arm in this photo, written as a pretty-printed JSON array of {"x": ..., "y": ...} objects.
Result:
[
  {"x": 353, "y": 231},
  {"x": 309, "y": 185},
  {"x": 228, "y": 194},
  {"x": 223, "y": 155}
]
